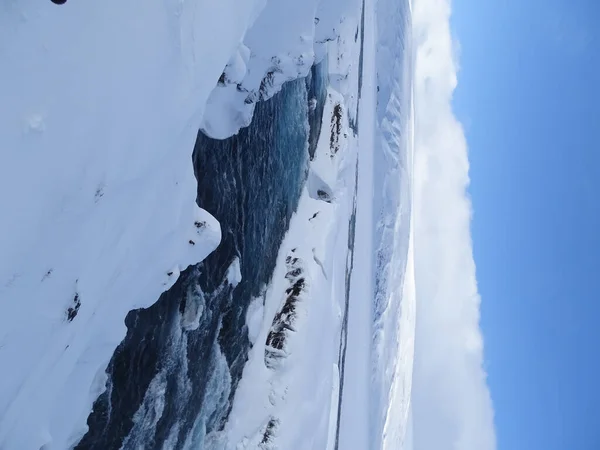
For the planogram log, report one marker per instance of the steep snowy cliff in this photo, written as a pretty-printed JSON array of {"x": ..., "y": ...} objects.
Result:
[{"x": 101, "y": 103}]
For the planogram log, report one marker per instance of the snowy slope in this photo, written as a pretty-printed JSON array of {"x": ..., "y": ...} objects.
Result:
[
  {"x": 97, "y": 124},
  {"x": 395, "y": 296},
  {"x": 292, "y": 376},
  {"x": 285, "y": 40},
  {"x": 97, "y": 127},
  {"x": 302, "y": 396},
  {"x": 379, "y": 368}
]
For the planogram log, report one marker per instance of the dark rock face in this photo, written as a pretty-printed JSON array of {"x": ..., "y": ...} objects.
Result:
[
  {"x": 74, "y": 308},
  {"x": 284, "y": 321},
  {"x": 172, "y": 380}
]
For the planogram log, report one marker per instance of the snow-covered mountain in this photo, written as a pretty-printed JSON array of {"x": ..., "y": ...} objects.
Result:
[{"x": 206, "y": 239}]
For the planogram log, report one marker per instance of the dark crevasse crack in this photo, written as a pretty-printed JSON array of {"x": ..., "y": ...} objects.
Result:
[
  {"x": 344, "y": 331},
  {"x": 172, "y": 379},
  {"x": 354, "y": 123},
  {"x": 351, "y": 239},
  {"x": 316, "y": 83}
]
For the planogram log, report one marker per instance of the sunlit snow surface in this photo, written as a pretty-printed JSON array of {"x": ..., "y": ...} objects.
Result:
[
  {"x": 100, "y": 106},
  {"x": 354, "y": 394}
]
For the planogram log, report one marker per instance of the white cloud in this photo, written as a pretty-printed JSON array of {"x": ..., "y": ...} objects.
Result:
[{"x": 451, "y": 402}]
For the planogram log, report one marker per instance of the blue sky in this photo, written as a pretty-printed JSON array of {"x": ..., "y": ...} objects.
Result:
[{"x": 528, "y": 97}]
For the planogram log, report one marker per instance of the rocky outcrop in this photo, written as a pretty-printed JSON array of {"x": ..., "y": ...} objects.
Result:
[{"x": 285, "y": 319}]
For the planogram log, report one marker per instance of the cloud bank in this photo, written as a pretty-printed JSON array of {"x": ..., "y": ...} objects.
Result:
[{"x": 451, "y": 402}]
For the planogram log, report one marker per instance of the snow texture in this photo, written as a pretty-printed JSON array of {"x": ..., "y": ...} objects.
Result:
[
  {"x": 355, "y": 394},
  {"x": 291, "y": 378},
  {"x": 97, "y": 125}
]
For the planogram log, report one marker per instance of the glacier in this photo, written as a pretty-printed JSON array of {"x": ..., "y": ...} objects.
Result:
[{"x": 127, "y": 274}]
